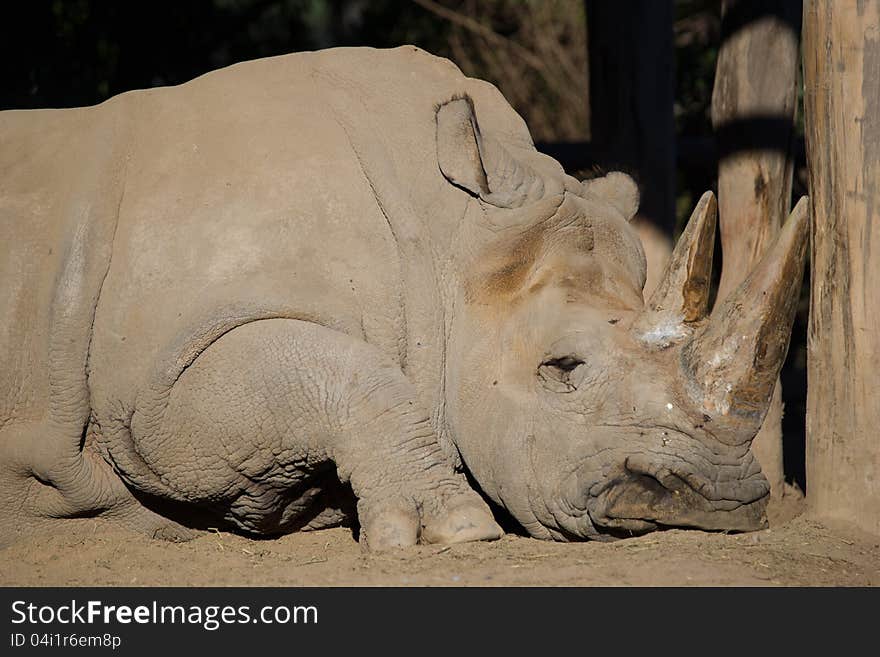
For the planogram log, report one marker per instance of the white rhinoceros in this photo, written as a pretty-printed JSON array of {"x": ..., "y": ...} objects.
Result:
[{"x": 298, "y": 282}]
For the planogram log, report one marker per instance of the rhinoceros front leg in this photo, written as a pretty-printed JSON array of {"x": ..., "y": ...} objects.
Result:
[{"x": 252, "y": 424}]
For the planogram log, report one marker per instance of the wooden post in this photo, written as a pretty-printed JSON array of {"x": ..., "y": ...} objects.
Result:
[
  {"x": 753, "y": 112},
  {"x": 842, "y": 112},
  {"x": 631, "y": 115}
]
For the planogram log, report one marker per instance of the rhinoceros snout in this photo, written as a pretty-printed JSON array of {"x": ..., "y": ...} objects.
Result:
[{"x": 651, "y": 496}]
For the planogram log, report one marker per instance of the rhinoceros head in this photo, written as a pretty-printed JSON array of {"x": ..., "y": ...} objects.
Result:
[{"x": 582, "y": 408}]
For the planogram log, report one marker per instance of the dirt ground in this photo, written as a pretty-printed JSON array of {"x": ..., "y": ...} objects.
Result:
[{"x": 799, "y": 551}]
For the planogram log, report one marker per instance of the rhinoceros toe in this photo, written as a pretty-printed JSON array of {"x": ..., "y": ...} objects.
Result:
[
  {"x": 465, "y": 519},
  {"x": 390, "y": 527}
]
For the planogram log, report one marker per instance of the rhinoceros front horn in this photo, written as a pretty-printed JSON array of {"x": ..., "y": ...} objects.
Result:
[
  {"x": 480, "y": 164},
  {"x": 732, "y": 362}
]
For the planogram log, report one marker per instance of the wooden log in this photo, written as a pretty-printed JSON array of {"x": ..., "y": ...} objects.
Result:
[
  {"x": 842, "y": 112},
  {"x": 753, "y": 112}
]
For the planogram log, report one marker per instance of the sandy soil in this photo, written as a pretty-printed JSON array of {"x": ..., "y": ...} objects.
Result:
[{"x": 799, "y": 551}]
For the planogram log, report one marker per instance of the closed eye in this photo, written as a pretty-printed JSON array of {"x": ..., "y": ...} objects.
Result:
[{"x": 560, "y": 374}]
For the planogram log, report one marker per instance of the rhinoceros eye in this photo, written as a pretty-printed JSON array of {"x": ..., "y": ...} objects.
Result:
[{"x": 560, "y": 374}]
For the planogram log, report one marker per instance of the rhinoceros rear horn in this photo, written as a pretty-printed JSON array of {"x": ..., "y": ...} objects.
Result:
[
  {"x": 733, "y": 361},
  {"x": 681, "y": 298},
  {"x": 480, "y": 164}
]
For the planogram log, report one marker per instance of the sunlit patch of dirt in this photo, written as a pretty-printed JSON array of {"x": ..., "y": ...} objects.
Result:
[{"x": 800, "y": 551}]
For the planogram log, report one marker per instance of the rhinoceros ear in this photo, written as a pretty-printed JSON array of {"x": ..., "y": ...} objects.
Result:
[
  {"x": 479, "y": 164},
  {"x": 618, "y": 189},
  {"x": 458, "y": 146}
]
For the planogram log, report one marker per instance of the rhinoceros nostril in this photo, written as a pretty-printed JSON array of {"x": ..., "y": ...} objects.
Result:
[
  {"x": 650, "y": 485},
  {"x": 665, "y": 477},
  {"x": 680, "y": 478}
]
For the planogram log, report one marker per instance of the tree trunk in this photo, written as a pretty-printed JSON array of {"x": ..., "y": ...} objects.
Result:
[
  {"x": 631, "y": 121},
  {"x": 842, "y": 112},
  {"x": 754, "y": 102}
]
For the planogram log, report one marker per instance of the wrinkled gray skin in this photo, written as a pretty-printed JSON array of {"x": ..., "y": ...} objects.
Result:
[{"x": 243, "y": 299}]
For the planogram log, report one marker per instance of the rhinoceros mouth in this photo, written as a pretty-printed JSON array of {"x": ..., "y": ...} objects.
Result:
[{"x": 650, "y": 497}]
